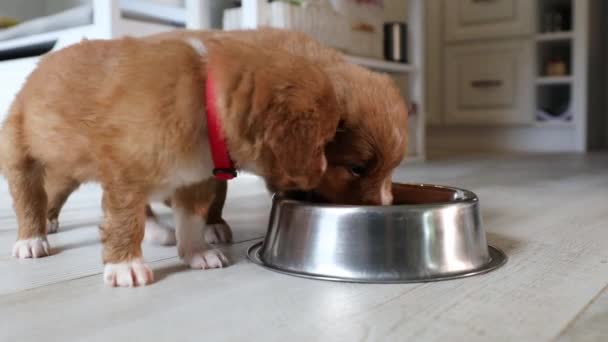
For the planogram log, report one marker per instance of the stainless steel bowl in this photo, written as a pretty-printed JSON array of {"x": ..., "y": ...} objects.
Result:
[{"x": 430, "y": 233}]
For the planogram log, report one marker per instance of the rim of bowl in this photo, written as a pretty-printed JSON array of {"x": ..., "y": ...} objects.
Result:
[
  {"x": 498, "y": 258},
  {"x": 468, "y": 197}
]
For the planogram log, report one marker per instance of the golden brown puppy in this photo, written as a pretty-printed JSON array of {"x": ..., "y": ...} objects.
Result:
[
  {"x": 373, "y": 138},
  {"x": 130, "y": 114},
  {"x": 370, "y": 144}
]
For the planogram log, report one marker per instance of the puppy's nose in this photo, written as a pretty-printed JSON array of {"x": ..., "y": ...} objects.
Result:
[
  {"x": 323, "y": 164},
  {"x": 386, "y": 196},
  {"x": 386, "y": 192}
]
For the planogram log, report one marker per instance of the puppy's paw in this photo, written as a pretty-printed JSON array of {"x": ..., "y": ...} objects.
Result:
[
  {"x": 31, "y": 248},
  {"x": 211, "y": 258},
  {"x": 159, "y": 234},
  {"x": 218, "y": 233},
  {"x": 52, "y": 226},
  {"x": 127, "y": 274}
]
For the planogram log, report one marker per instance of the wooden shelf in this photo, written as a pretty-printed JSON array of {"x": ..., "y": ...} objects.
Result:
[
  {"x": 554, "y": 80},
  {"x": 381, "y": 65},
  {"x": 555, "y": 36}
]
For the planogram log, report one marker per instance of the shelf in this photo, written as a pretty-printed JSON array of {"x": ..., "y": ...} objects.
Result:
[
  {"x": 554, "y": 36},
  {"x": 162, "y": 12},
  {"x": 553, "y": 80},
  {"x": 381, "y": 65}
]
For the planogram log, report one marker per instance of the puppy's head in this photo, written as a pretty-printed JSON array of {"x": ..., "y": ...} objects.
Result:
[
  {"x": 371, "y": 140},
  {"x": 279, "y": 112}
]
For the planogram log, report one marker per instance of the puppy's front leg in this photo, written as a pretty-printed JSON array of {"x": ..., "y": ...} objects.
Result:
[
  {"x": 121, "y": 234},
  {"x": 190, "y": 209}
]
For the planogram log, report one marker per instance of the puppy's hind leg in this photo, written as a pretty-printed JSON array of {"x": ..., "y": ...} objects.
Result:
[
  {"x": 190, "y": 208},
  {"x": 158, "y": 232},
  {"x": 25, "y": 177},
  {"x": 58, "y": 189},
  {"x": 217, "y": 230}
]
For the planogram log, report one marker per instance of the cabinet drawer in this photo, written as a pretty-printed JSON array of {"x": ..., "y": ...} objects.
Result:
[
  {"x": 489, "y": 83},
  {"x": 474, "y": 19}
]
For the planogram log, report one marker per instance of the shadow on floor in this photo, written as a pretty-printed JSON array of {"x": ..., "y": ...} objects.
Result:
[{"x": 506, "y": 244}]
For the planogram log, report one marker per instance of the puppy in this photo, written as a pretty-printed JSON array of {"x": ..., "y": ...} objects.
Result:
[
  {"x": 131, "y": 115},
  {"x": 372, "y": 139},
  {"x": 370, "y": 143}
]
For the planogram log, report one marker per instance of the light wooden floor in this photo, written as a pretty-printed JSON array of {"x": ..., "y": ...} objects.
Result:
[{"x": 547, "y": 212}]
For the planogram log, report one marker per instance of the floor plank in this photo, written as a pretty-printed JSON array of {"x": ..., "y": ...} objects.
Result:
[
  {"x": 592, "y": 323},
  {"x": 546, "y": 212}
]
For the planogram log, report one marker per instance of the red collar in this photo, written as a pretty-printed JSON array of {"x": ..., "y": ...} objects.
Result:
[{"x": 223, "y": 165}]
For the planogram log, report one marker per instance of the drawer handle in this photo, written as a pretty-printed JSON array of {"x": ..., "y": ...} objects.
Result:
[{"x": 486, "y": 84}]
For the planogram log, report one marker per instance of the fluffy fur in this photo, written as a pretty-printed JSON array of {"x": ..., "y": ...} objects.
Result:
[
  {"x": 129, "y": 114},
  {"x": 372, "y": 140}
]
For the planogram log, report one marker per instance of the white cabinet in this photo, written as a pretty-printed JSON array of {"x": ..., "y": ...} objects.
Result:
[
  {"x": 488, "y": 83},
  {"x": 476, "y": 19},
  {"x": 488, "y": 61},
  {"x": 490, "y": 77}
]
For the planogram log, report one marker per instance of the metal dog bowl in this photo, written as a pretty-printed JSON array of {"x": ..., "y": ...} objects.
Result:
[{"x": 430, "y": 233}]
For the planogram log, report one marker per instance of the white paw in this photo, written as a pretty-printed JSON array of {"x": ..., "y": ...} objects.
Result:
[
  {"x": 218, "y": 233},
  {"x": 52, "y": 226},
  {"x": 31, "y": 248},
  {"x": 159, "y": 234},
  {"x": 133, "y": 273},
  {"x": 211, "y": 258}
]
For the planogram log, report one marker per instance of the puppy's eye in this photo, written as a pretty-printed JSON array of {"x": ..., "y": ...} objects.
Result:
[{"x": 357, "y": 170}]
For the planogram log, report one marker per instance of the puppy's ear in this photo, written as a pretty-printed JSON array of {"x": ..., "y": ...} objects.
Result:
[
  {"x": 297, "y": 145},
  {"x": 300, "y": 120}
]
